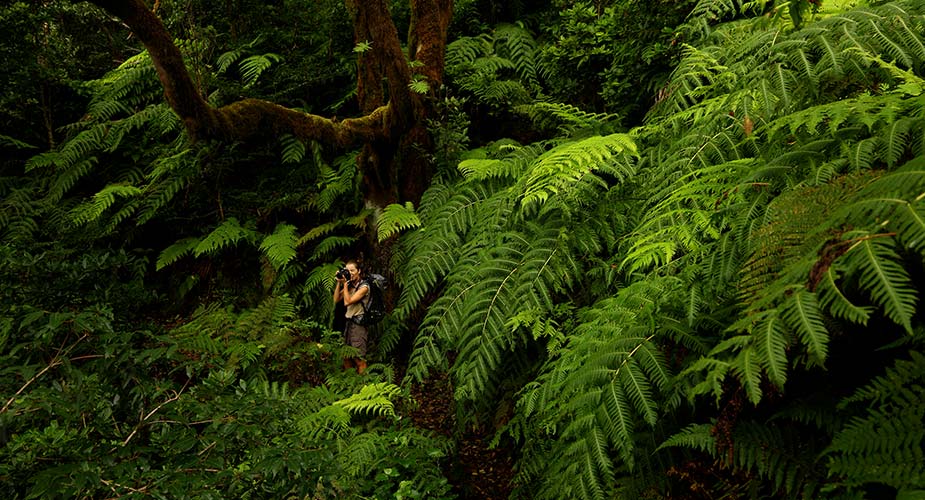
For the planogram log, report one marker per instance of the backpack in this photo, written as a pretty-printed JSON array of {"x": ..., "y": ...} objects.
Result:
[{"x": 374, "y": 308}]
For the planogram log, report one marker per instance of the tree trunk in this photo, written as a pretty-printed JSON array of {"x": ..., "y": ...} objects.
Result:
[{"x": 393, "y": 129}]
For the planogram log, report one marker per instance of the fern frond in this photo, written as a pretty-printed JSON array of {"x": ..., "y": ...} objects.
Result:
[
  {"x": 227, "y": 234},
  {"x": 832, "y": 298},
  {"x": 801, "y": 311},
  {"x": 226, "y": 59},
  {"x": 518, "y": 45},
  {"x": 7, "y": 141},
  {"x": 176, "y": 251},
  {"x": 329, "y": 244},
  {"x": 373, "y": 399},
  {"x": 102, "y": 201},
  {"x": 465, "y": 50},
  {"x": 885, "y": 387},
  {"x": 396, "y": 218},
  {"x": 566, "y": 118},
  {"x": 564, "y": 166},
  {"x": 695, "y": 436},
  {"x": 331, "y": 422},
  {"x": 280, "y": 247},
  {"x": 886, "y": 444},
  {"x": 254, "y": 66},
  {"x": 771, "y": 347},
  {"x": 885, "y": 279},
  {"x": 293, "y": 148},
  {"x": 747, "y": 367}
]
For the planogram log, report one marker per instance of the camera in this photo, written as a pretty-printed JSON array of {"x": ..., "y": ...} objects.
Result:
[{"x": 343, "y": 274}]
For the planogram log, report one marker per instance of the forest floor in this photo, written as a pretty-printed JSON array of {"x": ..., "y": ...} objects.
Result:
[{"x": 477, "y": 471}]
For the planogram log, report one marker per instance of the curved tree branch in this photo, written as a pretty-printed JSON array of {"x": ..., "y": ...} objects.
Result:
[
  {"x": 243, "y": 119},
  {"x": 393, "y": 130}
]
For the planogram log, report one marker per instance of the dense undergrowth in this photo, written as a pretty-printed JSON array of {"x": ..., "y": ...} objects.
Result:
[{"x": 723, "y": 301}]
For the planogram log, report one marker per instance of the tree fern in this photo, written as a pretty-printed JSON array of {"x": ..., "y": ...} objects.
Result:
[
  {"x": 885, "y": 444},
  {"x": 280, "y": 247},
  {"x": 567, "y": 165},
  {"x": 102, "y": 201},
  {"x": 885, "y": 279},
  {"x": 226, "y": 234},
  {"x": 373, "y": 399},
  {"x": 395, "y": 218},
  {"x": 768, "y": 205},
  {"x": 609, "y": 376}
]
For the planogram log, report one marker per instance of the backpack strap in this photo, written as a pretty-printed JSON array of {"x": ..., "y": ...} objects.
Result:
[{"x": 369, "y": 290}]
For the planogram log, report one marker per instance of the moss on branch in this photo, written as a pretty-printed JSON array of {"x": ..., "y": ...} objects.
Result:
[{"x": 251, "y": 118}]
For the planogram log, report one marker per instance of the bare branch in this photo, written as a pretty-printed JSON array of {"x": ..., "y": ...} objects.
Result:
[
  {"x": 55, "y": 361},
  {"x": 175, "y": 397}
]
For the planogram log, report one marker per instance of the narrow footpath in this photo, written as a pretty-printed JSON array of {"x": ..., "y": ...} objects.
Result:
[{"x": 476, "y": 471}]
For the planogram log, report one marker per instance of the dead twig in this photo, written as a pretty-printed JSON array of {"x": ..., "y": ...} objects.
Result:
[
  {"x": 176, "y": 396},
  {"x": 55, "y": 361}
]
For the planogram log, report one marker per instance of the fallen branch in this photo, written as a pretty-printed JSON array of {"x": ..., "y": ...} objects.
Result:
[
  {"x": 55, "y": 361},
  {"x": 176, "y": 396}
]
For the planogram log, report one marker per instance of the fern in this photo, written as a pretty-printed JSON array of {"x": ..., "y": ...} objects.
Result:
[
  {"x": 802, "y": 313},
  {"x": 373, "y": 399},
  {"x": 227, "y": 234},
  {"x": 565, "y": 166},
  {"x": 483, "y": 65},
  {"x": 396, "y": 218},
  {"x": 567, "y": 119},
  {"x": 280, "y": 247},
  {"x": 696, "y": 436},
  {"x": 102, "y": 201},
  {"x": 885, "y": 444},
  {"x": 293, "y": 148},
  {"x": 329, "y": 244},
  {"x": 176, "y": 251},
  {"x": 885, "y": 279}
]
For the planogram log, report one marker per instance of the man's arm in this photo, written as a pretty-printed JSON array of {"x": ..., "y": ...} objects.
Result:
[{"x": 338, "y": 294}]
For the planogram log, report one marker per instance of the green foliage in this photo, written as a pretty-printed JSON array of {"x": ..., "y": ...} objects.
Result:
[
  {"x": 204, "y": 408},
  {"x": 884, "y": 444},
  {"x": 280, "y": 247},
  {"x": 612, "y": 56},
  {"x": 723, "y": 302},
  {"x": 395, "y": 218},
  {"x": 723, "y": 249},
  {"x": 499, "y": 69}
]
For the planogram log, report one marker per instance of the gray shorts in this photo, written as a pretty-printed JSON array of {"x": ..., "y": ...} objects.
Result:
[{"x": 355, "y": 336}]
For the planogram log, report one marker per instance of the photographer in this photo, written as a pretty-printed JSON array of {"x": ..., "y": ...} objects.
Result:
[{"x": 354, "y": 291}]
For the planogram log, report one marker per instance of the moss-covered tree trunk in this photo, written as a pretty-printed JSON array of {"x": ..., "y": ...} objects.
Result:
[{"x": 392, "y": 130}]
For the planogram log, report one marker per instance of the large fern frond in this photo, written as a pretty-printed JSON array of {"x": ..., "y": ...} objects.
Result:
[
  {"x": 225, "y": 235},
  {"x": 280, "y": 247},
  {"x": 396, "y": 218}
]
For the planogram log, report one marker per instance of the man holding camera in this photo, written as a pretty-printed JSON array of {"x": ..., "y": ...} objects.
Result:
[{"x": 354, "y": 291}]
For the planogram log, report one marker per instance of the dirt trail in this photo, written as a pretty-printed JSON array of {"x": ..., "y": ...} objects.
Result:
[{"x": 476, "y": 471}]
